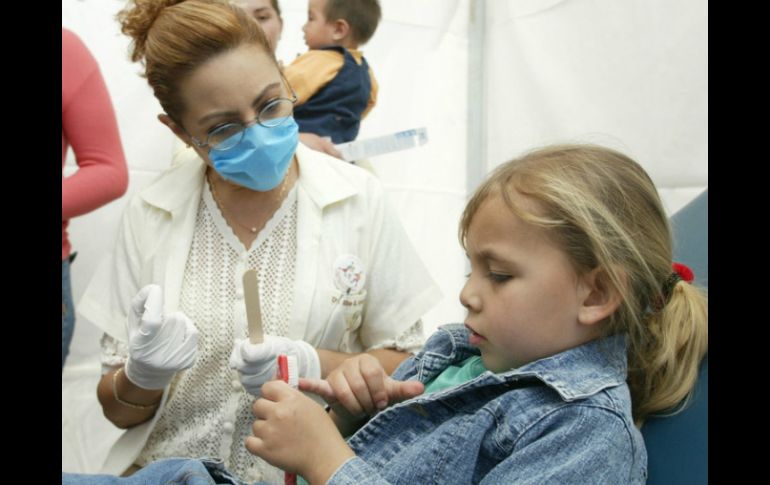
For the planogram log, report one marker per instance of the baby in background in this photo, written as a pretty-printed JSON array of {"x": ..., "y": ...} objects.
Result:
[{"x": 335, "y": 87}]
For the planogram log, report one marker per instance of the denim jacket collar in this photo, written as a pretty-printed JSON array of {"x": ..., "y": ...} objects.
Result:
[{"x": 575, "y": 373}]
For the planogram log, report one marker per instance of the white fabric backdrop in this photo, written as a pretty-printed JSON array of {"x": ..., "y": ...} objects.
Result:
[{"x": 630, "y": 74}]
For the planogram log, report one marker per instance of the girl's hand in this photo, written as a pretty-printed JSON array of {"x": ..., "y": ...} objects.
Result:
[
  {"x": 360, "y": 387},
  {"x": 294, "y": 433}
]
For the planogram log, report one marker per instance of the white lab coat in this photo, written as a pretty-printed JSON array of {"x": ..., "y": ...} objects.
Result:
[{"x": 341, "y": 211}]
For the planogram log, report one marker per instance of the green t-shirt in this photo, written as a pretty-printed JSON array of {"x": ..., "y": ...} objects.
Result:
[{"x": 455, "y": 375}]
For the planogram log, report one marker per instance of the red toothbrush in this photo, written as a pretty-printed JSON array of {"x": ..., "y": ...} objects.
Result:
[{"x": 287, "y": 372}]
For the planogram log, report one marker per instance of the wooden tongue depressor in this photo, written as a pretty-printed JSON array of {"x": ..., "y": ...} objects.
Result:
[{"x": 253, "y": 313}]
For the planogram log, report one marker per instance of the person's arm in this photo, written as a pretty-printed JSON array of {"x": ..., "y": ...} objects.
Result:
[
  {"x": 389, "y": 358},
  {"x": 294, "y": 433},
  {"x": 90, "y": 128},
  {"x": 357, "y": 388},
  {"x": 123, "y": 414},
  {"x": 256, "y": 363},
  {"x": 590, "y": 446},
  {"x": 159, "y": 346},
  {"x": 107, "y": 301}
]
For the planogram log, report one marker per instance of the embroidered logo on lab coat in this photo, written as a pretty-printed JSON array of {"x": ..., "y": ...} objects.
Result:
[
  {"x": 349, "y": 279},
  {"x": 349, "y": 274}
]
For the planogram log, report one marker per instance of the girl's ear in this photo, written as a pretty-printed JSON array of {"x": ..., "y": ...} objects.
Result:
[
  {"x": 178, "y": 131},
  {"x": 598, "y": 297}
]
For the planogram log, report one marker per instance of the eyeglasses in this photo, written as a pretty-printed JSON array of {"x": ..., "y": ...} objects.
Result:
[{"x": 275, "y": 113}]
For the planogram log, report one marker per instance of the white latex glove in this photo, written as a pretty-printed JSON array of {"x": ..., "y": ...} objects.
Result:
[
  {"x": 257, "y": 364},
  {"x": 158, "y": 347}
]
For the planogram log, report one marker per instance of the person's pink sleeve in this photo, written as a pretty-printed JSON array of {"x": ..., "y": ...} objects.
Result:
[{"x": 90, "y": 128}]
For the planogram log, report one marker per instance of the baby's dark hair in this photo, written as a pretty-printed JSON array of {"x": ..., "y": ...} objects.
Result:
[{"x": 363, "y": 16}]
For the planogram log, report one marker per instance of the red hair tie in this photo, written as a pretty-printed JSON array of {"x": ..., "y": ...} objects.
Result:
[
  {"x": 683, "y": 271},
  {"x": 679, "y": 272}
]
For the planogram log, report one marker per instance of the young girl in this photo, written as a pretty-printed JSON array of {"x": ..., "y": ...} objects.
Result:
[{"x": 577, "y": 330}]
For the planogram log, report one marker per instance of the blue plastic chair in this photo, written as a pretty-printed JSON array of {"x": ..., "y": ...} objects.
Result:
[{"x": 677, "y": 446}]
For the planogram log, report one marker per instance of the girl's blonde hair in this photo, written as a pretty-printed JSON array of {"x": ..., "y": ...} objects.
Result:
[
  {"x": 174, "y": 37},
  {"x": 603, "y": 210}
]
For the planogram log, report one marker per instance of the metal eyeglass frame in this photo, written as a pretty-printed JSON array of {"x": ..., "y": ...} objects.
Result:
[{"x": 244, "y": 126}]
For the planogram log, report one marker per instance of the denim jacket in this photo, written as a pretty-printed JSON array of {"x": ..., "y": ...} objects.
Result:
[{"x": 562, "y": 419}]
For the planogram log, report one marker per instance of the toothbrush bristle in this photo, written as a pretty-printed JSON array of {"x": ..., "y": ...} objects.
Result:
[
  {"x": 293, "y": 371},
  {"x": 288, "y": 370}
]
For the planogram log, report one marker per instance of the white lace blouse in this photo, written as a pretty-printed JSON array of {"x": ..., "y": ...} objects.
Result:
[{"x": 208, "y": 413}]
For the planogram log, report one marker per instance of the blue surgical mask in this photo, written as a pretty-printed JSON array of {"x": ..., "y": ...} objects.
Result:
[{"x": 261, "y": 159}]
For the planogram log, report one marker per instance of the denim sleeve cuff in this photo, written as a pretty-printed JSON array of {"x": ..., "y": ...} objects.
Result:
[{"x": 355, "y": 471}]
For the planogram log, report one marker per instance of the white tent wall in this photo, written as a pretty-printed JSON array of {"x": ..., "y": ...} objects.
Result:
[{"x": 629, "y": 74}]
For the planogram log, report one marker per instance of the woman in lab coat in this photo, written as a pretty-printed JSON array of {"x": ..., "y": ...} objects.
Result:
[{"x": 337, "y": 274}]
